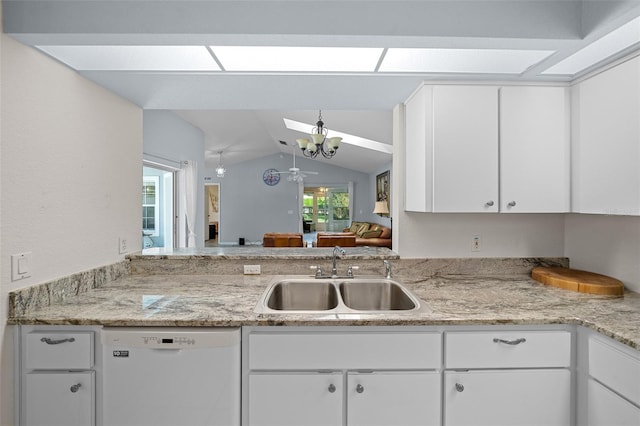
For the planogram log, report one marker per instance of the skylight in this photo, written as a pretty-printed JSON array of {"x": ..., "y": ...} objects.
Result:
[
  {"x": 478, "y": 61},
  {"x": 134, "y": 58},
  {"x": 346, "y": 137},
  {"x": 601, "y": 49},
  {"x": 299, "y": 59}
]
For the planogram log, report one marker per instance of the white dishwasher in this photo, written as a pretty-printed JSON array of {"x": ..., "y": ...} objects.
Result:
[{"x": 171, "y": 376}]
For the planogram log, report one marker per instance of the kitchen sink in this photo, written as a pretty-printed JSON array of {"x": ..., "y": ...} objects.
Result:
[
  {"x": 337, "y": 296},
  {"x": 376, "y": 295},
  {"x": 291, "y": 295}
]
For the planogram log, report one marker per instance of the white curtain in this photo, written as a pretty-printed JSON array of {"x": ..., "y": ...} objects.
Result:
[{"x": 189, "y": 180}]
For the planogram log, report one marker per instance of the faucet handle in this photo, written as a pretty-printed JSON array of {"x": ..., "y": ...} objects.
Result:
[
  {"x": 350, "y": 270},
  {"x": 318, "y": 271}
]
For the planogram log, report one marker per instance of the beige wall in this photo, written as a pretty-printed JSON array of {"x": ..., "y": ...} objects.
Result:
[{"x": 70, "y": 173}]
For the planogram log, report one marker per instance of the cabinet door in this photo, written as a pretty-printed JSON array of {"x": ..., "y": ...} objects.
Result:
[
  {"x": 508, "y": 398},
  {"x": 606, "y": 147},
  {"x": 296, "y": 399},
  {"x": 393, "y": 398},
  {"x": 59, "y": 398},
  {"x": 605, "y": 408},
  {"x": 465, "y": 149},
  {"x": 534, "y": 149},
  {"x": 418, "y": 151}
]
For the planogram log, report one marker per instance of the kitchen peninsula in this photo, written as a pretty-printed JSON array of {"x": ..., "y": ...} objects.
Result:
[
  {"x": 468, "y": 302},
  {"x": 207, "y": 288}
]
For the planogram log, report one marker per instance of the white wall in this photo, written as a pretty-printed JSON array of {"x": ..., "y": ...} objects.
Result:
[
  {"x": 608, "y": 245},
  {"x": 169, "y": 137},
  {"x": 71, "y": 156}
]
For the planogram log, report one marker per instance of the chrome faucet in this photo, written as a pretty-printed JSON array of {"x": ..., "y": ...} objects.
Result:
[
  {"x": 387, "y": 269},
  {"x": 337, "y": 250}
]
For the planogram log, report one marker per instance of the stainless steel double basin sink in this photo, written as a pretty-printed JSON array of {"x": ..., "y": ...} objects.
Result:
[{"x": 337, "y": 296}]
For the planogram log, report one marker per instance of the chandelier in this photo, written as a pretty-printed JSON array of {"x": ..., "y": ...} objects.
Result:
[
  {"x": 319, "y": 143},
  {"x": 220, "y": 170}
]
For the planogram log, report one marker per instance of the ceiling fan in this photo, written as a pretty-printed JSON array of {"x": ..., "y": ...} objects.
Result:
[{"x": 295, "y": 174}]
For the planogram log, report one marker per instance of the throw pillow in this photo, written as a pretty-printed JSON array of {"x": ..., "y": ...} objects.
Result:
[
  {"x": 354, "y": 227},
  {"x": 372, "y": 233},
  {"x": 364, "y": 227}
]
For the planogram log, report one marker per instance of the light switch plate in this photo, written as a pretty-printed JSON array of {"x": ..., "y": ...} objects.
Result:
[{"x": 20, "y": 266}]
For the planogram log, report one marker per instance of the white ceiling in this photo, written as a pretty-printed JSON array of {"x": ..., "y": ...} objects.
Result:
[{"x": 175, "y": 55}]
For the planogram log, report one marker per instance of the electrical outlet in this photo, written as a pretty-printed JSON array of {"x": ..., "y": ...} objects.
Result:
[
  {"x": 252, "y": 269},
  {"x": 476, "y": 243},
  {"x": 123, "y": 245}
]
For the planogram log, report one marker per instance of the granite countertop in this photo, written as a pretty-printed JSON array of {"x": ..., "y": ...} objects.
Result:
[{"x": 229, "y": 300}]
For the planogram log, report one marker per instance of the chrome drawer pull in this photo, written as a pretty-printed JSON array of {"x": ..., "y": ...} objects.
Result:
[
  {"x": 359, "y": 388},
  {"x": 332, "y": 388},
  {"x": 75, "y": 388},
  {"x": 57, "y": 342},
  {"x": 509, "y": 342},
  {"x": 459, "y": 387}
]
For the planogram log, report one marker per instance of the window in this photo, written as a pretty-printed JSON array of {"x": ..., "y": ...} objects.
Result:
[{"x": 150, "y": 205}]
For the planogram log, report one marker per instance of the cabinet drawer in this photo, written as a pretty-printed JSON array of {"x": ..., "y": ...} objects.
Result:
[
  {"x": 53, "y": 350},
  {"x": 615, "y": 368},
  {"x": 510, "y": 349},
  {"x": 308, "y": 351}
]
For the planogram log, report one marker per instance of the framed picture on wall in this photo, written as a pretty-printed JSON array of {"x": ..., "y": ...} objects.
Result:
[{"x": 382, "y": 187}]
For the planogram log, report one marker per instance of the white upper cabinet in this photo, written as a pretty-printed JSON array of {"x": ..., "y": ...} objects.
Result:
[
  {"x": 418, "y": 151},
  {"x": 606, "y": 142},
  {"x": 534, "y": 149},
  {"x": 465, "y": 148},
  {"x": 487, "y": 149}
]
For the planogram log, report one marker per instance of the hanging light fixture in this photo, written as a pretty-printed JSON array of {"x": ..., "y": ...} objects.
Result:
[
  {"x": 319, "y": 143},
  {"x": 220, "y": 170}
]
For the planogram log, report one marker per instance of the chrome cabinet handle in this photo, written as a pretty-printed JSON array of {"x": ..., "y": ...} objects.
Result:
[
  {"x": 75, "y": 387},
  {"x": 459, "y": 387},
  {"x": 57, "y": 342},
  {"x": 332, "y": 388},
  {"x": 510, "y": 342},
  {"x": 489, "y": 203},
  {"x": 359, "y": 388},
  {"x": 511, "y": 204}
]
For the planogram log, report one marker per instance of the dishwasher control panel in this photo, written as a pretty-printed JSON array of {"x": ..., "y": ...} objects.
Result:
[{"x": 123, "y": 338}]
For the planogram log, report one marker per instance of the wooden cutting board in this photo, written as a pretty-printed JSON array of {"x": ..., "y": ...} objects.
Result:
[{"x": 576, "y": 280}]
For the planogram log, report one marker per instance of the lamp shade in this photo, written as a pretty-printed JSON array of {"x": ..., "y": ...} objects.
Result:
[{"x": 381, "y": 207}]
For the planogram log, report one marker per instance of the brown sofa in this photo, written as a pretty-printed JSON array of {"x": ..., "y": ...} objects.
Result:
[
  {"x": 370, "y": 234},
  {"x": 332, "y": 239},
  {"x": 282, "y": 239}
]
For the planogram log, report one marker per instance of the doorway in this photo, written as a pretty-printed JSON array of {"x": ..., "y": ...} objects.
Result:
[
  {"x": 158, "y": 207},
  {"x": 327, "y": 208},
  {"x": 212, "y": 213}
]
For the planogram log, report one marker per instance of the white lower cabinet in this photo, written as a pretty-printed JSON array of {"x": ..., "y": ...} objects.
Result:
[
  {"x": 320, "y": 399},
  {"x": 294, "y": 399},
  {"x": 606, "y": 408},
  {"x": 59, "y": 398},
  {"x": 393, "y": 398},
  {"x": 613, "y": 387},
  {"x": 507, "y": 398},
  {"x": 507, "y": 378},
  {"x": 58, "y": 377},
  {"x": 334, "y": 376}
]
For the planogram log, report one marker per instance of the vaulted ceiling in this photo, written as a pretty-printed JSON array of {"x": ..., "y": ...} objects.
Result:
[{"x": 178, "y": 55}]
